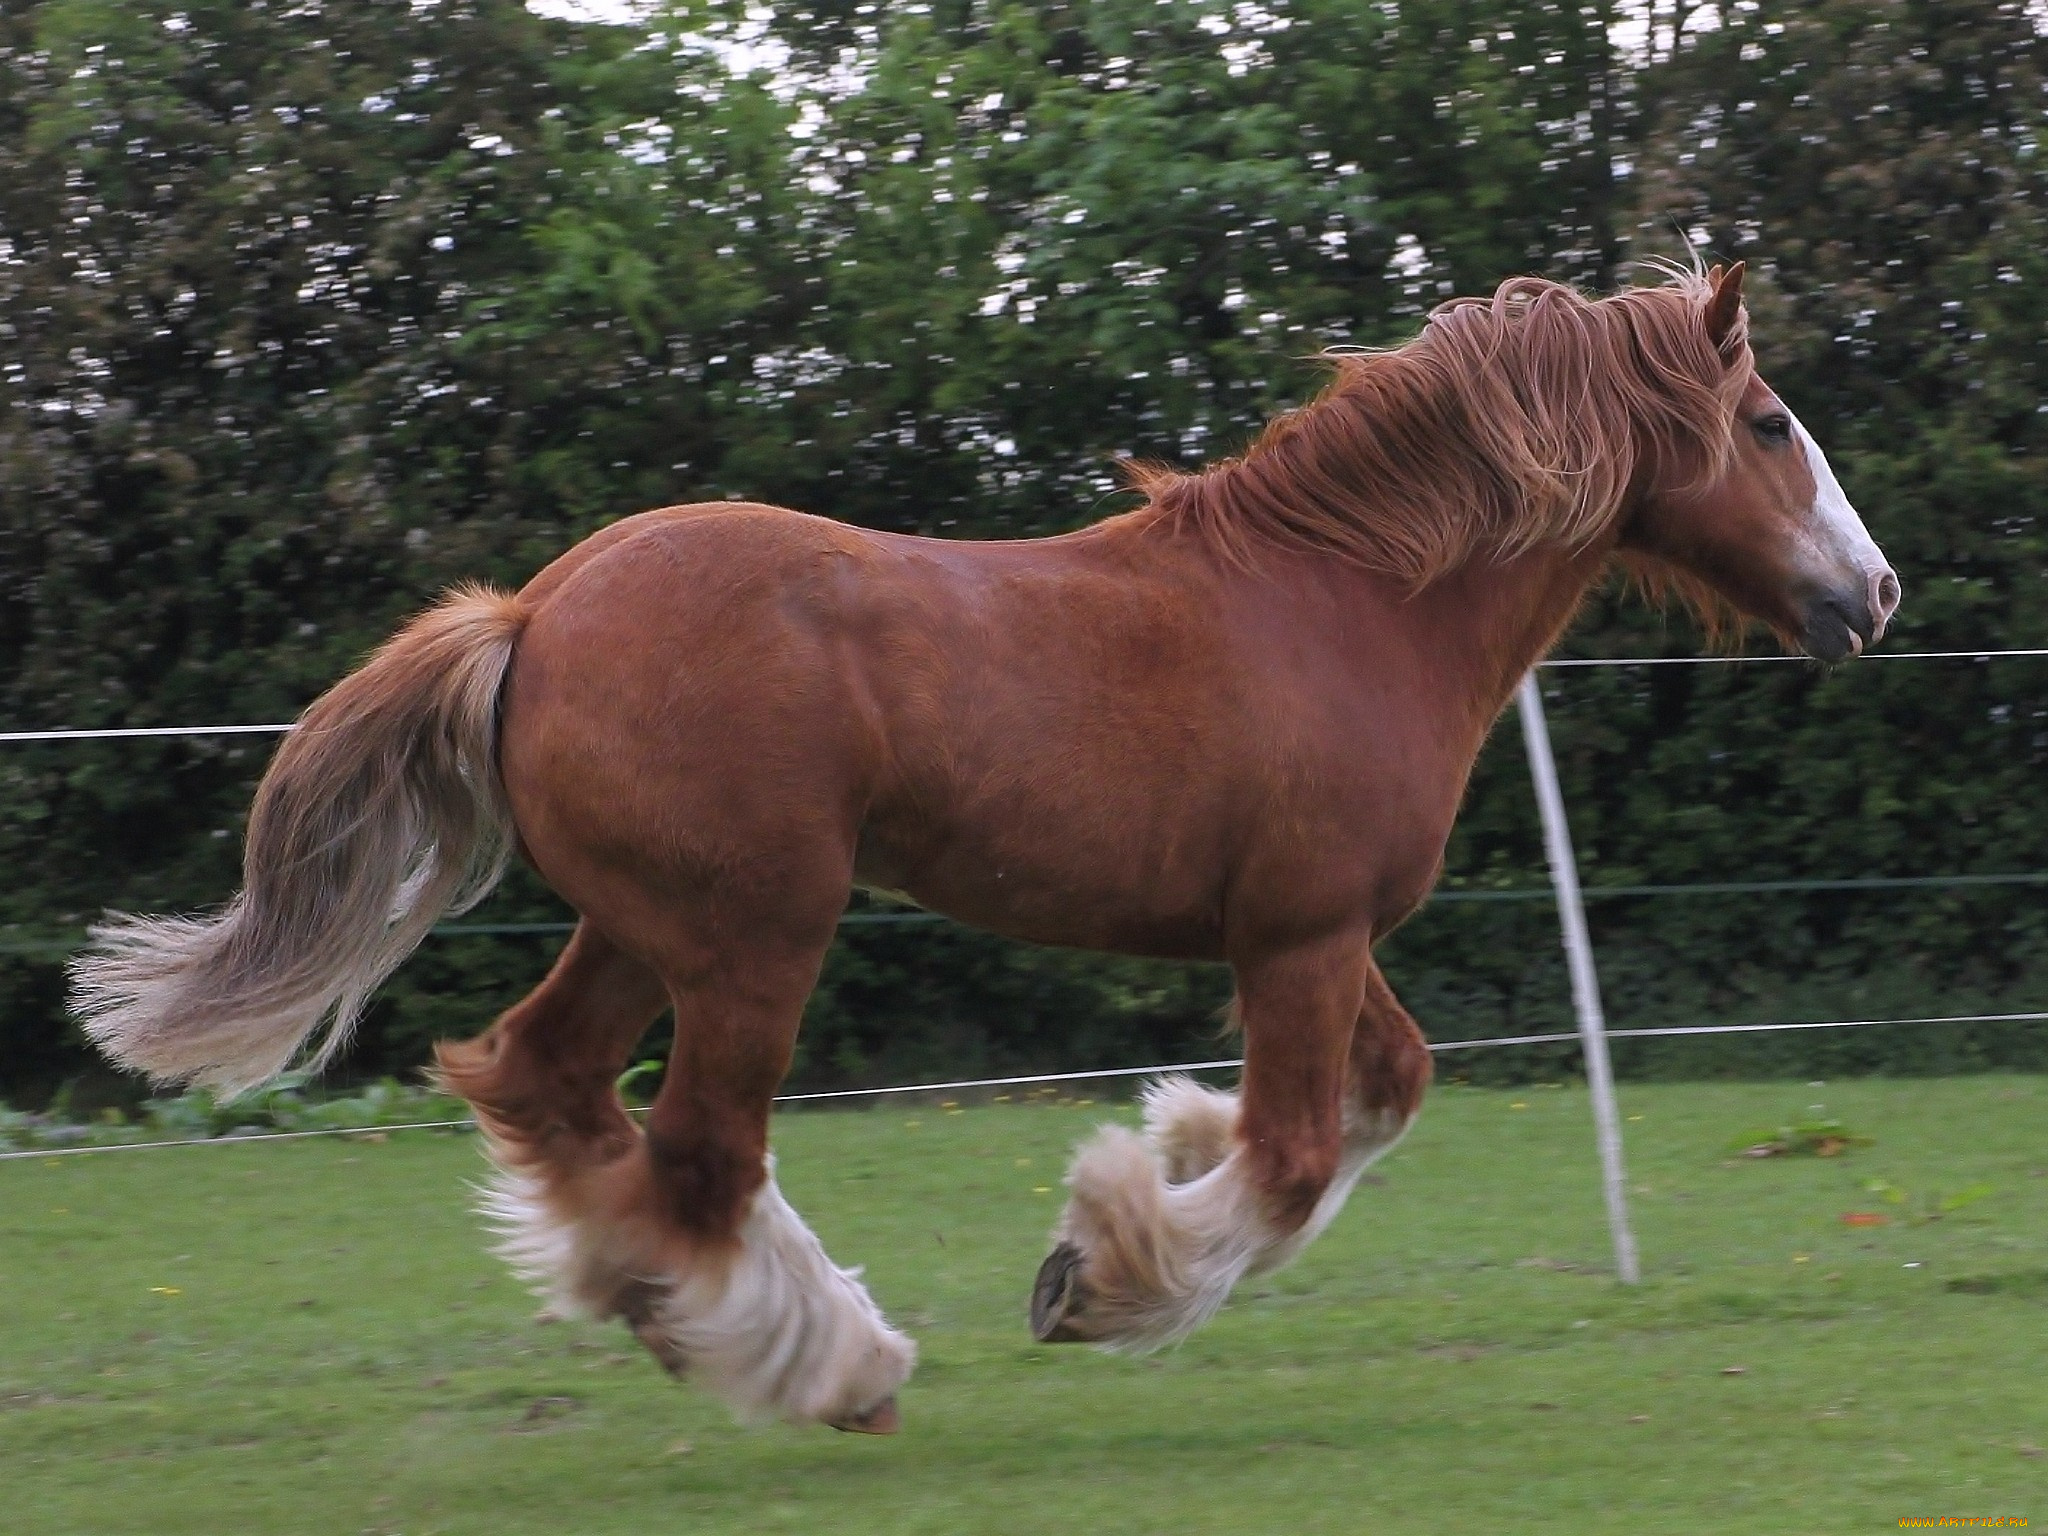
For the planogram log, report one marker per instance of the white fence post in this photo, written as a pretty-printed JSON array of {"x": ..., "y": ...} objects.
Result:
[{"x": 1578, "y": 949}]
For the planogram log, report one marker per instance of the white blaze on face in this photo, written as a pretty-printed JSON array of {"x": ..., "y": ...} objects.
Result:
[{"x": 1849, "y": 555}]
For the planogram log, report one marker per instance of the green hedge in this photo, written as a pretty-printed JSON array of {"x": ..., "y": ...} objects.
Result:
[{"x": 308, "y": 311}]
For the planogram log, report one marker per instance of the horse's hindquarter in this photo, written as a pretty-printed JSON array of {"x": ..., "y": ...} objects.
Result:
[{"x": 679, "y": 730}]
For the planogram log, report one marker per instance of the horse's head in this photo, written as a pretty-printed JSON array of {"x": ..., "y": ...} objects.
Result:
[{"x": 1768, "y": 528}]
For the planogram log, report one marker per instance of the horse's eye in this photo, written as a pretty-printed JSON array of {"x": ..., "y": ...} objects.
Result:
[{"x": 1774, "y": 428}]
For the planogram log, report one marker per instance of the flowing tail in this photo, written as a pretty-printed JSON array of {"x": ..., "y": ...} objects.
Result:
[{"x": 381, "y": 811}]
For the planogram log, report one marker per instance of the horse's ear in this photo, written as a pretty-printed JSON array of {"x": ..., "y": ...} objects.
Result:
[{"x": 1724, "y": 304}]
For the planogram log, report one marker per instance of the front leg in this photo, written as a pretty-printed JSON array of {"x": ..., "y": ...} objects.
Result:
[
  {"x": 1192, "y": 1127},
  {"x": 1142, "y": 1258}
]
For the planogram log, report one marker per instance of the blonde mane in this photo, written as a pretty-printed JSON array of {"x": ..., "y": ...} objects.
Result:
[{"x": 1509, "y": 422}]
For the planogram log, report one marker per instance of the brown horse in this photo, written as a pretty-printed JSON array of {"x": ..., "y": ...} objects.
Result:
[{"x": 1233, "y": 724}]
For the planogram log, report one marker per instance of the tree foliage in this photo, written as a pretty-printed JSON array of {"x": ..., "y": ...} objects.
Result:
[{"x": 310, "y": 307}]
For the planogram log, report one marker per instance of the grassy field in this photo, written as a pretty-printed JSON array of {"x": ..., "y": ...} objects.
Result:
[{"x": 306, "y": 1337}]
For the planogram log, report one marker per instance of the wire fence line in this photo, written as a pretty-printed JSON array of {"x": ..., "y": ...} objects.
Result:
[
  {"x": 1738, "y": 660},
  {"x": 130, "y": 732},
  {"x": 57, "y": 945},
  {"x": 64, "y": 945},
  {"x": 124, "y": 732},
  {"x": 1527, "y": 894},
  {"x": 1038, "y": 1079},
  {"x": 1504, "y": 893}
]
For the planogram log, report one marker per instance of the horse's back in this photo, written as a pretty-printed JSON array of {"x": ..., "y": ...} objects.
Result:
[
  {"x": 965, "y": 720},
  {"x": 919, "y": 633}
]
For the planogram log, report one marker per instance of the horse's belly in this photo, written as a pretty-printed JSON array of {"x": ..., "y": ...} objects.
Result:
[{"x": 1064, "y": 892}]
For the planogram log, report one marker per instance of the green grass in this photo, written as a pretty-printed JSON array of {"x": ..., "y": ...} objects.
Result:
[{"x": 307, "y": 1337}]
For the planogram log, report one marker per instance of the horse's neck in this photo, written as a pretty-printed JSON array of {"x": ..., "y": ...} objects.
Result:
[
  {"x": 1463, "y": 643},
  {"x": 1484, "y": 625}
]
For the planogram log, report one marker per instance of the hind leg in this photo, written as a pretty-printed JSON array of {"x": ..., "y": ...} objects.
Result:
[
  {"x": 541, "y": 1080},
  {"x": 681, "y": 1231},
  {"x": 1160, "y": 1228},
  {"x": 743, "y": 1294}
]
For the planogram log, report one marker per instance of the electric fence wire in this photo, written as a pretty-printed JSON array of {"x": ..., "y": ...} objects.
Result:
[{"x": 1039, "y": 1079}]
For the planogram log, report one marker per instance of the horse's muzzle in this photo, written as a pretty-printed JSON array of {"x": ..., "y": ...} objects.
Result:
[{"x": 1840, "y": 623}]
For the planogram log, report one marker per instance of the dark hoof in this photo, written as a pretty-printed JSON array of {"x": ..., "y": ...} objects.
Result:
[
  {"x": 882, "y": 1419},
  {"x": 1056, "y": 1295},
  {"x": 636, "y": 1304},
  {"x": 663, "y": 1348}
]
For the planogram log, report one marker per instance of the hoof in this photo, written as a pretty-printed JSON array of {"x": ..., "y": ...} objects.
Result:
[
  {"x": 636, "y": 1304},
  {"x": 659, "y": 1345},
  {"x": 882, "y": 1419},
  {"x": 1056, "y": 1297}
]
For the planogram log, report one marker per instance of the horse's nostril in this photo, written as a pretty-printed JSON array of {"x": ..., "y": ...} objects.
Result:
[{"x": 1884, "y": 597}]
